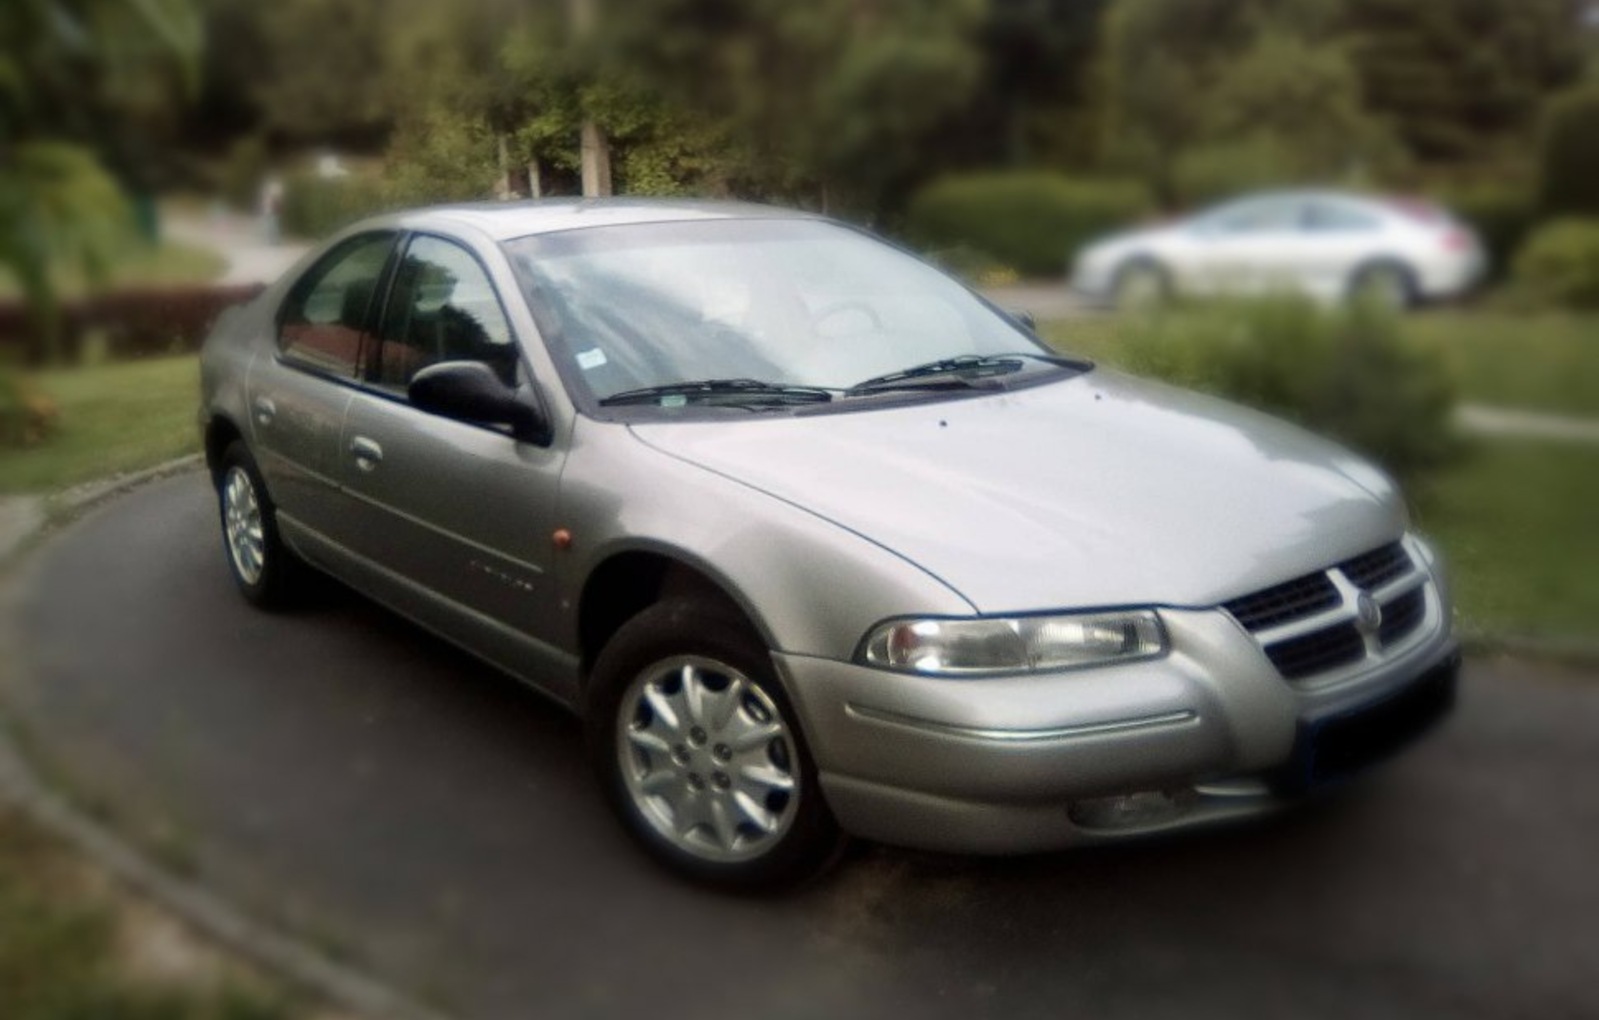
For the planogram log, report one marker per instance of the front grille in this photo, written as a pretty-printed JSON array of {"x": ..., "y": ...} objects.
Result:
[
  {"x": 1331, "y": 595},
  {"x": 1284, "y": 603},
  {"x": 1317, "y": 652},
  {"x": 1402, "y": 616},
  {"x": 1374, "y": 569}
]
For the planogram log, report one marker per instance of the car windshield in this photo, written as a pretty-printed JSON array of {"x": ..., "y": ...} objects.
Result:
[{"x": 751, "y": 311}]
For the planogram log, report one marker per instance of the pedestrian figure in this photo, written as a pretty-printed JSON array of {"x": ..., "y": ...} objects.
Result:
[{"x": 271, "y": 209}]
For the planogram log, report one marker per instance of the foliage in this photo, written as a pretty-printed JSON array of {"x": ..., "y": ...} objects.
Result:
[
  {"x": 977, "y": 268},
  {"x": 315, "y": 206},
  {"x": 76, "y": 69},
  {"x": 1559, "y": 264},
  {"x": 1569, "y": 157},
  {"x": 1461, "y": 77},
  {"x": 1206, "y": 99},
  {"x": 1032, "y": 221},
  {"x": 127, "y": 322},
  {"x": 1501, "y": 213},
  {"x": 1347, "y": 374},
  {"x": 437, "y": 155},
  {"x": 27, "y": 416}
]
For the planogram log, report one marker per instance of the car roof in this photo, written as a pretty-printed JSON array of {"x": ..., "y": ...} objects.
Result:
[{"x": 503, "y": 221}]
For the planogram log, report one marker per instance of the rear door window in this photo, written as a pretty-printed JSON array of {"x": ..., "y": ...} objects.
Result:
[{"x": 330, "y": 310}]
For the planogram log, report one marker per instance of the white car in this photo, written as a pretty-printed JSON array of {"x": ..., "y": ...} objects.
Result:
[{"x": 1329, "y": 245}]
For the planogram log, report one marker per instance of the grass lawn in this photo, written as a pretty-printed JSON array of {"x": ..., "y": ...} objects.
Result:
[
  {"x": 1518, "y": 524},
  {"x": 1547, "y": 361},
  {"x": 113, "y": 418},
  {"x": 1544, "y": 362},
  {"x": 68, "y": 948},
  {"x": 142, "y": 265}
]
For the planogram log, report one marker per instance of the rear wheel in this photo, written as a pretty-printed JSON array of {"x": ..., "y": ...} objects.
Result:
[
  {"x": 700, "y": 753},
  {"x": 266, "y": 572},
  {"x": 1141, "y": 285}
]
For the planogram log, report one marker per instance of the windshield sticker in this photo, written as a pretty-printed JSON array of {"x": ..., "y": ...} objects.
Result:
[{"x": 590, "y": 359}]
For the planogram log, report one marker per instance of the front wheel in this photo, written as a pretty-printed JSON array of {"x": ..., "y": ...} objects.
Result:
[{"x": 700, "y": 753}]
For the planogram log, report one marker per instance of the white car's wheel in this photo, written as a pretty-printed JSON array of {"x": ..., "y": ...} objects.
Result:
[
  {"x": 1386, "y": 285},
  {"x": 1141, "y": 285}
]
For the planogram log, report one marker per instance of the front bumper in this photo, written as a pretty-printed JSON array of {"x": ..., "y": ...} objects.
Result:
[{"x": 1209, "y": 732}]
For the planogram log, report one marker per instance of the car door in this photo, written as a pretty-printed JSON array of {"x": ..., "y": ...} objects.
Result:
[
  {"x": 1343, "y": 236},
  {"x": 297, "y": 398},
  {"x": 1250, "y": 247},
  {"x": 458, "y": 515}
]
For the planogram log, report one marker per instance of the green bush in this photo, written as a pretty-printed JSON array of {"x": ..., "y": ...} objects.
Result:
[
  {"x": 1032, "y": 221},
  {"x": 1569, "y": 158},
  {"x": 27, "y": 416},
  {"x": 1501, "y": 214},
  {"x": 1560, "y": 264},
  {"x": 1212, "y": 173},
  {"x": 315, "y": 206},
  {"x": 1348, "y": 374},
  {"x": 242, "y": 173}
]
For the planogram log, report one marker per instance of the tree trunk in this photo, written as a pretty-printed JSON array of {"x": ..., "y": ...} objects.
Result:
[{"x": 596, "y": 161}]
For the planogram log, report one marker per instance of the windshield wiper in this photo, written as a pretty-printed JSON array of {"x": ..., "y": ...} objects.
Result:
[
  {"x": 743, "y": 391},
  {"x": 956, "y": 372}
]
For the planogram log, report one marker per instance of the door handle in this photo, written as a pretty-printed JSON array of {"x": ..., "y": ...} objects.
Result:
[
  {"x": 265, "y": 411},
  {"x": 366, "y": 453}
]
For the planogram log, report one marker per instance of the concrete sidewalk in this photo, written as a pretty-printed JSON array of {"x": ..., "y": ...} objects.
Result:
[{"x": 238, "y": 239}]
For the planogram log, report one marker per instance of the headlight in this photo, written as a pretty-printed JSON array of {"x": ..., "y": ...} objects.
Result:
[{"x": 1016, "y": 645}]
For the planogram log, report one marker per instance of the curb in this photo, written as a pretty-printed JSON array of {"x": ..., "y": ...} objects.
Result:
[{"x": 274, "y": 950}]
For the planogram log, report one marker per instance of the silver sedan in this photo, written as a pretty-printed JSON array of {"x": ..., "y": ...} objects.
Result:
[
  {"x": 1328, "y": 245},
  {"x": 814, "y": 540}
]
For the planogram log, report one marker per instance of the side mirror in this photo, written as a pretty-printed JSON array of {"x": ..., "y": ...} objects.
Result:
[
  {"x": 1026, "y": 319},
  {"x": 470, "y": 391}
]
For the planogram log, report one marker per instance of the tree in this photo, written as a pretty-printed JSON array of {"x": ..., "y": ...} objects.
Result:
[
  {"x": 71, "y": 67},
  {"x": 1461, "y": 76}
]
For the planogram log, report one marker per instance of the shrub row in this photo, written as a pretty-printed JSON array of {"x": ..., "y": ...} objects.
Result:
[
  {"x": 129, "y": 323},
  {"x": 1559, "y": 264},
  {"x": 1030, "y": 221},
  {"x": 1346, "y": 373},
  {"x": 315, "y": 206}
]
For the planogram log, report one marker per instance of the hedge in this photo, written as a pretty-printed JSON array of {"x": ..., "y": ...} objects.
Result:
[
  {"x": 1560, "y": 264},
  {"x": 131, "y": 323},
  {"x": 1033, "y": 222}
]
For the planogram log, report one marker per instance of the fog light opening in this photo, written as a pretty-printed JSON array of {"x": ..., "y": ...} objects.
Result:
[{"x": 1139, "y": 810}]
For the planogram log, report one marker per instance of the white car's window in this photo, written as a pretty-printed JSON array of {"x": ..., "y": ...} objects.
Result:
[
  {"x": 791, "y": 302},
  {"x": 329, "y": 309},
  {"x": 441, "y": 307},
  {"x": 1334, "y": 216},
  {"x": 1258, "y": 216}
]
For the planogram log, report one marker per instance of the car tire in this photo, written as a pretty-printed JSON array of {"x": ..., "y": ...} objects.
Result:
[
  {"x": 1140, "y": 285},
  {"x": 700, "y": 753},
  {"x": 267, "y": 573},
  {"x": 1386, "y": 285}
]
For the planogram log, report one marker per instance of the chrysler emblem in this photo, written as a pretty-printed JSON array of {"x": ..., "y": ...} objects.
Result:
[{"x": 1368, "y": 614}]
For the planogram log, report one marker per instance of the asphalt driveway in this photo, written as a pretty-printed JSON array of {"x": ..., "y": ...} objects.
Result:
[{"x": 394, "y": 802}]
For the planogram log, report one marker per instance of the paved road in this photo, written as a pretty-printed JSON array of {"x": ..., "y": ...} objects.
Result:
[{"x": 347, "y": 775}]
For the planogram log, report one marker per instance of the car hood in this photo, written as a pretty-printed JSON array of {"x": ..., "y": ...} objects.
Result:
[{"x": 1098, "y": 490}]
